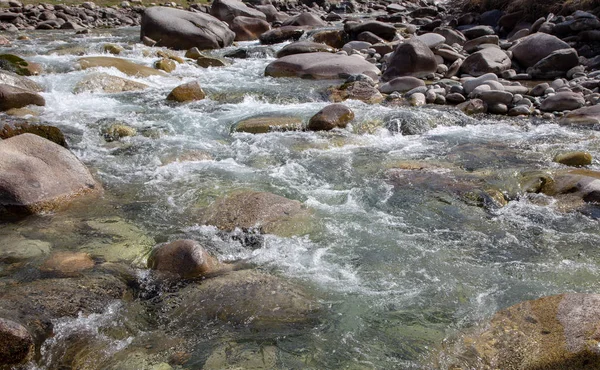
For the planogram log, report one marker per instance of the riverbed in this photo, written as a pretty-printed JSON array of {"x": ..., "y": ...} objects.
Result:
[{"x": 400, "y": 259}]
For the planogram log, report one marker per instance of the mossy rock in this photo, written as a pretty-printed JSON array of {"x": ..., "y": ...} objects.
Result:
[
  {"x": 18, "y": 65},
  {"x": 166, "y": 65},
  {"x": 113, "y": 49},
  {"x": 117, "y": 131},
  {"x": 253, "y": 210},
  {"x": 51, "y": 133},
  {"x": 265, "y": 124}
]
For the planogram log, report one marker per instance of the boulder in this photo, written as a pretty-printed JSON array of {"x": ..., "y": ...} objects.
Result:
[
  {"x": 264, "y": 124},
  {"x": 472, "y": 84},
  {"x": 489, "y": 60},
  {"x": 281, "y": 34},
  {"x": 301, "y": 47},
  {"x": 105, "y": 83},
  {"x": 584, "y": 117},
  {"x": 533, "y": 48},
  {"x": 320, "y": 66},
  {"x": 561, "y": 101},
  {"x": 334, "y": 38},
  {"x": 190, "y": 91},
  {"x": 227, "y": 10},
  {"x": 183, "y": 30},
  {"x": 122, "y": 65},
  {"x": 473, "y": 106},
  {"x": 15, "y": 97},
  {"x": 412, "y": 58},
  {"x": 248, "y": 28},
  {"x": 241, "y": 298},
  {"x": 265, "y": 212},
  {"x": 67, "y": 263},
  {"x": 384, "y": 30},
  {"x": 13, "y": 79},
  {"x": 556, "y": 332},
  {"x": 330, "y": 117},
  {"x": 38, "y": 175},
  {"x": 185, "y": 258},
  {"x": 401, "y": 84},
  {"x": 555, "y": 65},
  {"x": 16, "y": 344},
  {"x": 472, "y": 45},
  {"x": 305, "y": 19}
]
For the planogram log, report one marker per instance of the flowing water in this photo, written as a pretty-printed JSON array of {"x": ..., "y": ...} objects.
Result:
[{"x": 398, "y": 262}]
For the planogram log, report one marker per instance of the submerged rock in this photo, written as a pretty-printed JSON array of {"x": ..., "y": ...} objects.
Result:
[
  {"x": 575, "y": 159},
  {"x": 122, "y": 65},
  {"x": 183, "y": 30},
  {"x": 264, "y": 124},
  {"x": 556, "y": 332},
  {"x": 103, "y": 82},
  {"x": 116, "y": 131},
  {"x": 38, "y": 175},
  {"x": 242, "y": 298},
  {"x": 186, "y": 258},
  {"x": 266, "y": 212},
  {"x": 320, "y": 66}
]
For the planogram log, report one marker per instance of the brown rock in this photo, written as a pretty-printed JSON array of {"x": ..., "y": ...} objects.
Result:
[
  {"x": 412, "y": 58},
  {"x": 248, "y": 29},
  {"x": 575, "y": 159},
  {"x": 37, "y": 175},
  {"x": 264, "y": 124},
  {"x": 330, "y": 117},
  {"x": 16, "y": 344},
  {"x": 320, "y": 66},
  {"x": 122, "y": 65},
  {"x": 190, "y": 91},
  {"x": 8, "y": 130},
  {"x": 166, "y": 65},
  {"x": 186, "y": 258},
  {"x": 556, "y": 332},
  {"x": 67, "y": 263}
]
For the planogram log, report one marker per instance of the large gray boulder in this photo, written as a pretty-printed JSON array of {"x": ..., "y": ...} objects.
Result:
[
  {"x": 583, "y": 117},
  {"x": 413, "y": 58},
  {"x": 488, "y": 60},
  {"x": 38, "y": 175},
  {"x": 555, "y": 65},
  {"x": 321, "y": 66},
  {"x": 227, "y": 10},
  {"x": 183, "y": 30},
  {"x": 533, "y": 48}
]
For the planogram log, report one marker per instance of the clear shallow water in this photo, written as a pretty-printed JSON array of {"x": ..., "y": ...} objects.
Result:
[{"x": 399, "y": 265}]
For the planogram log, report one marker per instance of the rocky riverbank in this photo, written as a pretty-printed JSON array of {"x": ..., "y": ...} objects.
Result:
[{"x": 196, "y": 283}]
